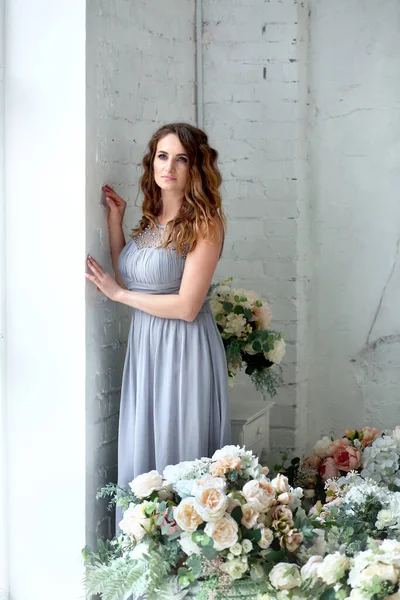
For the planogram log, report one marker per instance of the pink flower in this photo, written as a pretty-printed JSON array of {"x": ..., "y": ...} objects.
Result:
[
  {"x": 368, "y": 435},
  {"x": 339, "y": 443},
  {"x": 263, "y": 316},
  {"x": 329, "y": 469},
  {"x": 346, "y": 457}
]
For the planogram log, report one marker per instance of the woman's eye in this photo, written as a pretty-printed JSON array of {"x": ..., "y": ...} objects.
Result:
[
  {"x": 183, "y": 158},
  {"x": 162, "y": 156}
]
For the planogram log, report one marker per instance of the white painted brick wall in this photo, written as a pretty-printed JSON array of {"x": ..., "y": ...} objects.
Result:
[
  {"x": 253, "y": 52},
  {"x": 140, "y": 75}
]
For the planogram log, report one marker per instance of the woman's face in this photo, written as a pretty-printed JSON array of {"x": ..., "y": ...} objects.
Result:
[{"x": 171, "y": 164}]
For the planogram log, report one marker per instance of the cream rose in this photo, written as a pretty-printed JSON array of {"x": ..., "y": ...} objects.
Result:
[
  {"x": 210, "y": 503},
  {"x": 209, "y": 481},
  {"x": 143, "y": 485},
  {"x": 278, "y": 352},
  {"x": 225, "y": 465},
  {"x": 186, "y": 515},
  {"x": 267, "y": 537},
  {"x": 381, "y": 571},
  {"x": 323, "y": 448},
  {"x": 135, "y": 522},
  {"x": 280, "y": 484},
  {"x": 284, "y": 576},
  {"x": 224, "y": 532},
  {"x": 250, "y": 515},
  {"x": 310, "y": 569},
  {"x": 333, "y": 568}
]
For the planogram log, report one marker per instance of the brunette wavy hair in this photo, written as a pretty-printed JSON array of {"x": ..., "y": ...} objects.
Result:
[{"x": 201, "y": 212}]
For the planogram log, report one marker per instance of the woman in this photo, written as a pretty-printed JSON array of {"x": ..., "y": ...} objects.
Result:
[{"x": 174, "y": 397}]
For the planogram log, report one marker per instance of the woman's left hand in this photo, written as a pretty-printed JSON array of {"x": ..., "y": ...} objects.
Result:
[{"x": 104, "y": 282}]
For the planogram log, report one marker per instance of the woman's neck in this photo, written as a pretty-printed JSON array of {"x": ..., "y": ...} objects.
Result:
[{"x": 171, "y": 206}]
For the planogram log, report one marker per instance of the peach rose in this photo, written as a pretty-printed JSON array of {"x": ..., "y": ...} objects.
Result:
[
  {"x": 224, "y": 532},
  {"x": 329, "y": 469},
  {"x": 210, "y": 503},
  {"x": 261, "y": 493},
  {"x": 347, "y": 458},
  {"x": 250, "y": 515},
  {"x": 186, "y": 516},
  {"x": 225, "y": 465}
]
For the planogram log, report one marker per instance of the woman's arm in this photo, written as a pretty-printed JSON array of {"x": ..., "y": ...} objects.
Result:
[
  {"x": 197, "y": 276},
  {"x": 117, "y": 243},
  {"x": 116, "y": 210}
]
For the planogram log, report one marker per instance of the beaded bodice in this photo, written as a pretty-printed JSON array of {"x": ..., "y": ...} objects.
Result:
[{"x": 152, "y": 237}]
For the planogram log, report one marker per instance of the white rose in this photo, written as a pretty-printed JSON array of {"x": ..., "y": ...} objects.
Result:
[
  {"x": 236, "y": 549},
  {"x": 280, "y": 484},
  {"x": 267, "y": 537},
  {"x": 333, "y": 568},
  {"x": 310, "y": 569},
  {"x": 396, "y": 436},
  {"x": 135, "y": 521},
  {"x": 173, "y": 473},
  {"x": 210, "y": 503},
  {"x": 235, "y": 568},
  {"x": 216, "y": 306},
  {"x": 224, "y": 532},
  {"x": 250, "y": 515},
  {"x": 184, "y": 487},
  {"x": 247, "y": 546},
  {"x": 278, "y": 352},
  {"x": 218, "y": 483},
  {"x": 284, "y": 576},
  {"x": 143, "y": 485},
  {"x": 385, "y": 518},
  {"x": 323, "y": 448},
  {"x": 380, "y": 571},
  {"x": 186, "y": 515},
  {"x": 227, "y": 451},
  {"x": 187, "y": 544}
]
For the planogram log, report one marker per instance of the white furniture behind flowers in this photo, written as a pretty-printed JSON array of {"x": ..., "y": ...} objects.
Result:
[{"x": 250, "y": 425}]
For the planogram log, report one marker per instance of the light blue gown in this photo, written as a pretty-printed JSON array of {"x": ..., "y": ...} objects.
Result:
[{"x": 174, "y": 398}]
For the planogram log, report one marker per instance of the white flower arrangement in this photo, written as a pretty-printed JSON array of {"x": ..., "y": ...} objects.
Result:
[
  {"x": 213, "y": 540},
  {"x": 244, "y": 319}
]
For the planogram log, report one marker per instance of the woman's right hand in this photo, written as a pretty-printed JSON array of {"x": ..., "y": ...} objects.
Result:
[{"x": 116, "y": 206}]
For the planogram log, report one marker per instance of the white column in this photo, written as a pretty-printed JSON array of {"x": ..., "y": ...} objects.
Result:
[
  {"x": 45, "y": 296},
  {"x": 3, "y": 428}
]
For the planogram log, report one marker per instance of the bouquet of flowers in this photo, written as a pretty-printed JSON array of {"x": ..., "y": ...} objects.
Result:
[
  {"x": 207, "y": 529},
  {"x": 243, "y": 319},
  {"x": 330, "y": 458},
  {"x": 371, "y": 574}
]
